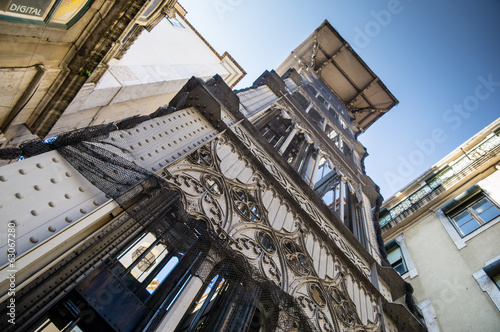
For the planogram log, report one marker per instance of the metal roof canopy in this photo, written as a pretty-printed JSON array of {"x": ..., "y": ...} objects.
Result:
[{"x": 345, "y": 73}]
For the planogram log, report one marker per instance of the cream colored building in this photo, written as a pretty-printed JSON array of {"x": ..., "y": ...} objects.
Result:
[
  {"x": 83, "y": 63},
  {"x": 48, "y": 50},
  {"x": 149, "y": 73},
  {"x": 442, "y": 234}
]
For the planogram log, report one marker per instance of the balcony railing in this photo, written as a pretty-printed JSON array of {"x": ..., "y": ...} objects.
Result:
[{"x": 448, "y": 176}]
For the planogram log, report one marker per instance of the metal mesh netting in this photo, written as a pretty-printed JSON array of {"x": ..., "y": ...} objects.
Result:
[{"x": 149, "y": 200}]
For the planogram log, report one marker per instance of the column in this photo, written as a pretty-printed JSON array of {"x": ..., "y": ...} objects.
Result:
[
  {"x": 334, "y": 190},
  {"x": 288, "y": 140},
  {"x": 341, "y": 199},
  {"x": 181, "y": 305},
  {"x": 300, "y": 155},
  {"x": 309, "y": 107},
  {"x": 310, "y": 165},
  {"x": 315, "y": 169},
  {"x": 323, "y": 124}
]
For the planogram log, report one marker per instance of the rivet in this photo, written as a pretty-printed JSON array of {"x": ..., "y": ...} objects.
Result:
[
  {"x": 96, "y": 203},
  {"x": 82, "y": 210},
  {"x": 55, "y": 160},
  {"x": 68, "y": 174},
  {"x": 81, "y": 189},
  {"x": 39, "y": 165},
  {"x": 52, "y": 229},
  {"x": 53, "y": 180},
  {"x": 68, "y": 219},
  {"x": 34, "y": 212},
  {"x": 22, "y": 171},
  {"x": 37, "y": 187},
  {"x": 3, "y": 178},
  {"x": 19, "y": 195},
  {"x": 67, "y": 196},
  {"x": 52, "y": 204},
  {"x": 33, "y": 239}
]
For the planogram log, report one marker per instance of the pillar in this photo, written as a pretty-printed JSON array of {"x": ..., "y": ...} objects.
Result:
[
  {"x": 181, "y": 305},
  {"x": 288, "y": 140},
  {"x": 341, "y": 199},
  {"x": 309, "y": 107},
  {"x": 315, "y": 169}
]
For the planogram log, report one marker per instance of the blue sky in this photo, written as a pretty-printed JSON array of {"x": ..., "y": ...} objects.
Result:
[{"x": 441, "y": 59}]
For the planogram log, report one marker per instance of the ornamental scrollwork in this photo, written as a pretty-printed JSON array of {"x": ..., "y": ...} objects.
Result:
[
  {"x": 246, "y": 204},
  {"x": 295, "y": 258},
  {"x": 303, "y": 202},
  {"x": 202, "y": 156}
]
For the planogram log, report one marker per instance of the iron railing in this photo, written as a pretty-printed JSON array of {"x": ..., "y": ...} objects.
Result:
[{"x": 449, "y": 175}]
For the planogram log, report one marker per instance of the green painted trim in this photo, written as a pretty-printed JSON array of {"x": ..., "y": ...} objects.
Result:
[
  {"x": 46, "y": 21},
  {"x": 52, "y": 11}
]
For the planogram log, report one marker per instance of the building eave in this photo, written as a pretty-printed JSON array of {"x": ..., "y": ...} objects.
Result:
[{"x": 345, "y": 73}]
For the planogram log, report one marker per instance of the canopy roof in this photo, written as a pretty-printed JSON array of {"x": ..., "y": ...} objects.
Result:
[{"x": 345, "y": 73}]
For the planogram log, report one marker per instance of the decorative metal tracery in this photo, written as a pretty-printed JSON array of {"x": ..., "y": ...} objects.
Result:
[
  {"x": 246, "y": 204},
  {"x": 295, "y": 257},
  {"x": 213, "y": 184},
  {"x": 276, "y": 254},
  {"x": 202, "y": 156}
]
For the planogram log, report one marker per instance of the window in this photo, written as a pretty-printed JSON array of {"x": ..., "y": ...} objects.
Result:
[
  {"x": 488, "y": 279},
  {"x": 471, "y": 210},
  {"x": 145, "y": 264},
  {"x": 46, "y": 12},
  {"x": 395, "y": 257},
  {"x": 175, "y": 22}
]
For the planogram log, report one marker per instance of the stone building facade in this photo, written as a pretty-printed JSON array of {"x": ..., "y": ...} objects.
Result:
[
  {"x": 224, "y": 210},
  {"x": 441, "y": 234},
  {"x": 77, "y": 51}
]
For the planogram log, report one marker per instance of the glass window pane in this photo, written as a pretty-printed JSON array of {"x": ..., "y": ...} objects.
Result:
[
  {"x": 486, "y": 210},
  {"x": 175, "y": 22},
  {"x": 394, "y": 255},
  {"x": 463, "y": 218},
  {"x": 126, "y": 257},
  {"x": 400, "y": 267},
  {"x": 497, "y": 281},
  {"x": 162, "y": 275},
  {"x": 469, "y": 226},
  {"x": 207, "y": 291},
  {"x": 67, "y": 10},
  {"x": 147, "y": 264},
  {"x": 396, "y": 259}
]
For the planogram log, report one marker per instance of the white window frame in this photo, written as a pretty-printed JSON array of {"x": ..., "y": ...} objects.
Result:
[
  {"x": 486, "y": 284},
  {"x": 458, "y": 240},
  {"x": 405, "y": 252},
  {"x": 429, "y": 315}
]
